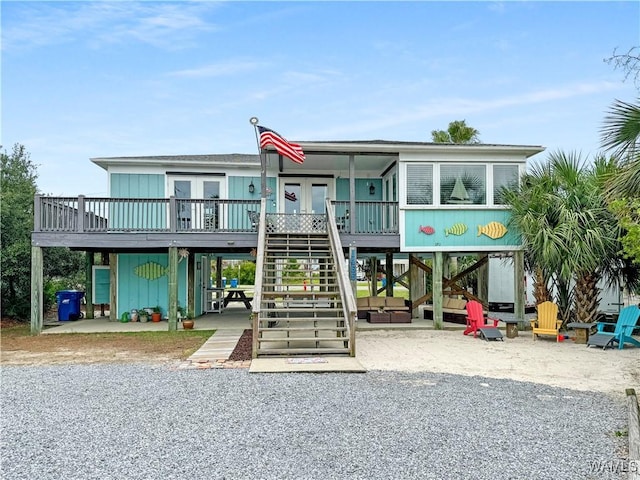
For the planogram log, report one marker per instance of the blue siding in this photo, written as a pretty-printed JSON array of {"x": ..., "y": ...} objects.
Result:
[
  {"x": 138, "y": 292},
  {"x": 362, "y": 189},
  {"x": 445, "y": 219},
  {"x": 137, "y": 185}
]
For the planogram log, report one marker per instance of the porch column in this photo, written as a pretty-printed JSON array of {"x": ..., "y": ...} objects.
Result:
[
  {"x": 173, "y": 289},
  {"x": 219, "y": 272},
  {"x": 113, "y": 290},
  {"x": 191, "y": 283},
  {"x": 88, "y": 294},
  {"x": 389, "y": 273},
  {"x": 438, "y": 268},
  {"x": 36, "y": 290},
  {"x": 518, "y": 288},
  {"x": 483, "y": 280},
  {"x": 416, "y": 284},
  {"x": 352, "y": 194},
  {"x": 373, "y": 262}
]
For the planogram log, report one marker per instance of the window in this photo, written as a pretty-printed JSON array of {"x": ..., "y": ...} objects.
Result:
[
  {"x": 419, "y": 184},
  {"x": 504, "y": 176},
  {"x": 463, "y": 184}
]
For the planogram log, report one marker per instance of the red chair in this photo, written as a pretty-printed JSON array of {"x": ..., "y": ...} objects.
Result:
[{"x": 476, "y": 319}]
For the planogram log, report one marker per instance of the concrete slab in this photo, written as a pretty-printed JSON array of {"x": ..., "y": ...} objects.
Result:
[{"x": 306, "y": 364}]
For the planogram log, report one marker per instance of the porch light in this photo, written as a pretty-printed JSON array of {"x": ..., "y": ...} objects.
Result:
[
  {"x": 372, "y": 189},
  {"x": 252, "y": 188}
]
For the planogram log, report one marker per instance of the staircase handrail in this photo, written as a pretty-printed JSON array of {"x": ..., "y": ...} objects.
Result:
[
  {"x": 257, "y": 284},
  {"x": 349, "y": 307}
]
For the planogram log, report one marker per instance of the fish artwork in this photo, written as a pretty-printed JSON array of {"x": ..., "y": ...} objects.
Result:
[
  {"x": 427, "y": 229},
  {"x": 455, "y": 229},
  {"x": 150, "y": 270},
  {"x": 493, "y": 230}
]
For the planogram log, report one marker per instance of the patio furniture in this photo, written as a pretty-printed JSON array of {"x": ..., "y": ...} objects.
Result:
[
  {"x": 547, "y": 322},
  {"x": 624, "y": 327},
  {"x": 582, "y": 331},
  {"x": 477, "y": 322}
]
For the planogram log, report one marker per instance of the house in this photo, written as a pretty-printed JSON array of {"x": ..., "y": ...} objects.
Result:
[{"x": 168, "y": 218}]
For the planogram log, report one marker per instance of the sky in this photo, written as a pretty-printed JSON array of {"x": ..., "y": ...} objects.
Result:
[{"x": 104, "y": 79}]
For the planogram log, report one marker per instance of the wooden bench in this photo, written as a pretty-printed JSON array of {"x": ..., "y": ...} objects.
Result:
[{"x": 396, "y": 309}]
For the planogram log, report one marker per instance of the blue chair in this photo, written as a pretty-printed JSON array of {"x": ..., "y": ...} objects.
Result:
[{"x": 624, "y": 327}]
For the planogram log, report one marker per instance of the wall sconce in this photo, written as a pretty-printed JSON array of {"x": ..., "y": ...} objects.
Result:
[
  {"x": 252, "y": 188},
  {"x": 372, "y": 189}
]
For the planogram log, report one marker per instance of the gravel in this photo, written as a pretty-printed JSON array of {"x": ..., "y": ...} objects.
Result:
[{"x": 156, "y": 422}]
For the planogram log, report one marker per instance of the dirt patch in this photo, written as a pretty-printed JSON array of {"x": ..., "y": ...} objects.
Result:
[
  {"x": 243, "y": 349},
  {"x": 19, "y": 347}
]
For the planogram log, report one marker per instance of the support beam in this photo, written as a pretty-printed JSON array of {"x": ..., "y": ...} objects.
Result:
[
  {"x": 416, "y": 283},
  {"x": 37, "y": 309},
  {"x": 518, "y": 288},
  {"x": 389, "y": 273},
  {"x": 191, "y": 283},
  {"x": 373, "y": 262},
  {"x": 173, "y": 289},
  {"x": 219, "y": 272},
  {"x": 88, "y": 293},
  {"x": 438, "y": 265},
  {"x": 483, "y": 278},
  {"x": 113, "y": 290}
]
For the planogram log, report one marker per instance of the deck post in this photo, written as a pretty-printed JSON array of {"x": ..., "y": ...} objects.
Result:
[
  {"x": 173, "y": 289},
  {"x": 416, "y": 283},
  {"x": 518, "y": 288},
  {"x": 373, "y": 263},
  {"x": 191, "y": 283},
  {"x": 483, "y": 280},
  {"x": 351, "y": 225},
  {"x": 389, "y": 274},
  {"x": 438, "y": 268},
  {"x": 88, "y": 294},
  {"x": 113, "y": 287},
  {"x": 36, "y": 290}
]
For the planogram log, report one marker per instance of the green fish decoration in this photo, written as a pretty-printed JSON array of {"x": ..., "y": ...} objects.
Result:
[
  {"x": 151, "y": 270},
  {"x": 456, "y": 229}
]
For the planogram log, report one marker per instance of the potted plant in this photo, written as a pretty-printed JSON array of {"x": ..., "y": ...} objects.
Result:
[
  {"x": 156, "y": 315},
  {"x": 143, "y": 315},
  {"x": 181, "y": 313},
  {"x": 189, "y": 322}
]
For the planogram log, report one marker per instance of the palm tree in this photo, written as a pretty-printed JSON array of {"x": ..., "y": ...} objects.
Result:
[
  {"x": 568, "y": 233},
  {"x": 457, "y": 132},
  {"x": 621, "y": 133}
]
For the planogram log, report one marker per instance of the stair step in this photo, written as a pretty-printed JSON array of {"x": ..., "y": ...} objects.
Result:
[
  {"x": 300, "y": 294},
  {"x": 301, "y": 351},
  {"x": 304, "y": 329},
  {"x": 302, "y": 319}
]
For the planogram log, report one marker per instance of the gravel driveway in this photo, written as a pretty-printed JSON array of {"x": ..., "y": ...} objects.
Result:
[{"x": 154, "y": 422}]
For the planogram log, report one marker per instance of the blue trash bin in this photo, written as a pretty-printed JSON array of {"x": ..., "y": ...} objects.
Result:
[
  {"x": 234, "y": 283},
  {"x": 69, "y": 304}
]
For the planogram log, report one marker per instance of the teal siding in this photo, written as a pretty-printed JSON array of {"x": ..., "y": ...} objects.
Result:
[
  {"x": 138, "y": 292},
  {"x": 101, "y": 285},
  {"x": 131, "y": 215},
  {"x": 239, "y": 190},
  {"x": 137, "y": 185},
  {"x": 445, "y": 219},
  {"x": 362, "y": 189}
]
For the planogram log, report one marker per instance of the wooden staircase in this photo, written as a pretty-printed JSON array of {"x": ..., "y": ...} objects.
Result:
[{"x": 301, "y": 305}]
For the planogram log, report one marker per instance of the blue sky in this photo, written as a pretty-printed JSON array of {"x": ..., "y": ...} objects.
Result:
[{"x": 100, "y": 79}]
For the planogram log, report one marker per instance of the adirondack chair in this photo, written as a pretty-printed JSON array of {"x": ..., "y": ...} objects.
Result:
[
  {"x": 547, "y": 322},
  {"x": 627, "y": 321},
  {"x": 476, "y": 321}
]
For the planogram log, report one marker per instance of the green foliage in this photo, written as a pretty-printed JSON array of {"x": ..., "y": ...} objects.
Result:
[
  {"x": 245, "y": 272},
  {"x": 292, "y": 270},
  {"x": 18, "y": 187},
  {"x": 629, "y": 214},
  {"x": 457, "y": 132}
]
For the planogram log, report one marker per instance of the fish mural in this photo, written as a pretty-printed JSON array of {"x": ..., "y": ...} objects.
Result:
[
  {"x": 427, "y": 229},
  {"x": 151, "y": 270},
  {"x": 493, "y": 230},
  {"x": 455, "y": 229}
]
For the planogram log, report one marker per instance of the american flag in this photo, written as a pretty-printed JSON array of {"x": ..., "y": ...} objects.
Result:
[
  {"x": 292, "y": 151},
  {"x": 290, "y": 196}
]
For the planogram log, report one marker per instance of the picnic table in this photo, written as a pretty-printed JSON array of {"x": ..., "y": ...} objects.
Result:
[{"x": 237, "y": 295}]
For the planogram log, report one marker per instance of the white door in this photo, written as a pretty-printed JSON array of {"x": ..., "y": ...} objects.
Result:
[
  {"x": 197, "y": 215},
  {"x": 304, "y": 195}
]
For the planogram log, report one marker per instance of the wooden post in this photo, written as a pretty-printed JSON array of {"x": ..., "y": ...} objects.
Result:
[
  {"x": 88, "y": 294},
  {"x": 634, "y": 434},
  {"x": 219, "y": 272},
  {"x": 389, "y": 273},
  {"x": 173, "y": 289},
  {"x": 518, "y": 288},
  {"x": 416, "y": 284},
  {"x": 36, "y": 290},
  {"x": 373, "y": 262},
  {"x": 113, "y": 287},
  {"x": 351, "y": 224},
  {"x": 191, "y": 283},
  {"x": 438, "y": 264},
  {"x": 483, "y": 280}
]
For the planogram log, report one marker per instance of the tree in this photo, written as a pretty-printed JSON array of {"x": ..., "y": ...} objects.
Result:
[
  {"x": 569, "y": 234},
  {"x": 629, "y": 62},
  {"x": 457, "y": 132},
  {"x": 18, "y": 187},
  {"x": 621, "y": 134}
]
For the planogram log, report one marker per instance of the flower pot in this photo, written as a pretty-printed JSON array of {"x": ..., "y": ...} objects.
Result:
[
  {"x": 143, "y": 317},
  {"x": 156, "y": 316},
  {"x": 188, "y": 324}
]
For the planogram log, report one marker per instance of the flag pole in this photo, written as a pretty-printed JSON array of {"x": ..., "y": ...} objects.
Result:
[{"x": 263, "y": 161}]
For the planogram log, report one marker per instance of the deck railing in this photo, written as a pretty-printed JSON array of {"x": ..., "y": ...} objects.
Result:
[{"x": 104, "y": 215}]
